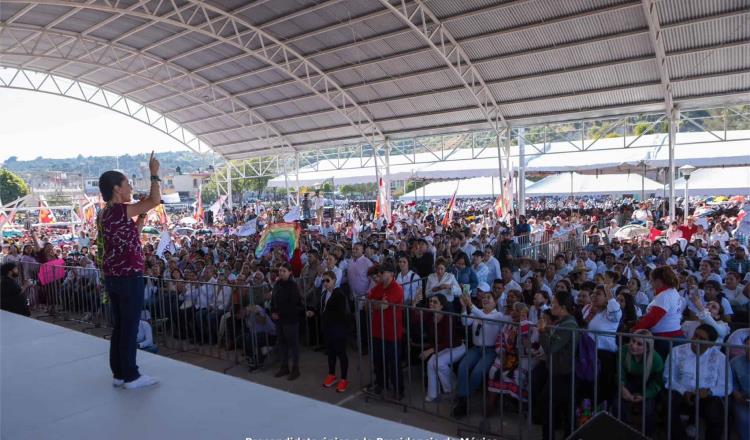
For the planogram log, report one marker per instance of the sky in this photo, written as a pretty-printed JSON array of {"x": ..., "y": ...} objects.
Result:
[{"x": 34, "y": 124}]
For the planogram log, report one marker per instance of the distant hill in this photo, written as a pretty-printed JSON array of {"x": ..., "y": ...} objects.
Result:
[{"x": 93, "y": 166}]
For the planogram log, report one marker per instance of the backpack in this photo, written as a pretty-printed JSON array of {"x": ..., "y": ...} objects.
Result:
[{"x": 586, "y": 358}]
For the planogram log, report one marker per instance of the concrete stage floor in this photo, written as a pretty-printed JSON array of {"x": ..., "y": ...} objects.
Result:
[{"x": 55, "y": 383}]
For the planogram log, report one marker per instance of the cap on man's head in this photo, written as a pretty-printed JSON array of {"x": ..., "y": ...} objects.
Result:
[{"x": 483, "y": 287}]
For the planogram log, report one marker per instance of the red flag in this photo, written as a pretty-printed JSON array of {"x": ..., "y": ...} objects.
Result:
[
  {"x": 7, "y": 219},
  {"x": 378, "y": 208},
  {"x": 499, "y": 205},
  {"x": 162, "y": 215},
  {"x": 449, "y": 212},
  {"x": 198, "y": 208},
  {"x": 45, "y": 215}
]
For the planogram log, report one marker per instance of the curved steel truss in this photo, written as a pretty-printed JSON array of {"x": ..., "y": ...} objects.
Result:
[{"x": 22, "y": 79}]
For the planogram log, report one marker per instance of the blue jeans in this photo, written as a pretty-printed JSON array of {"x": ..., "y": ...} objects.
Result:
[
  {"x": 126, "y": 301},
  {"x": 473, "y": 369},
  {"x": 741, "y": 419}
]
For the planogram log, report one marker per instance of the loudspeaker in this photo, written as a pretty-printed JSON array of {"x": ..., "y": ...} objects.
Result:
[{"x": 605, "y": 426}]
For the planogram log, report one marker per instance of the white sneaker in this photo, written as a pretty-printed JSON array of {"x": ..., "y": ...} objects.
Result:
[
  {"x": 141, "y": 382},
  {"x": 117, "y": 382},
  {"x": 429, "y": 399}
]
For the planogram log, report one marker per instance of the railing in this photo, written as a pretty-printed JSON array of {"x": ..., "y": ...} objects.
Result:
[
  {"x": 515, "y": 378},
  {"x": 524, "y": 382},
  {"x": 535, "y": 247}
]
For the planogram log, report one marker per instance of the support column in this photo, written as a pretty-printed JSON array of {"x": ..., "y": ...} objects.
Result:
[
  {"x": 521, "y": 172},
  {"x": 229, "y": 185},
  {"x": 500, "y": 163},
  {"x": 673, "y": 116},
  {"x": 387, "y": 181},
  {"x": 296, "y": 173},
  {"x": 286, "y": 181}
]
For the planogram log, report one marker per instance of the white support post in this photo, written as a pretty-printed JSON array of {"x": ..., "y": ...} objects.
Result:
[
  {"x": 296, "y": 174},
  {"x": 521, "y": 172},
  {"x": 229, "y": 185},
  {"x": 500, "y": 162},
  {"x": 387, "y": 181},
  {"x": 286, "y": 181},
  {"x": 673, "y": 115}
]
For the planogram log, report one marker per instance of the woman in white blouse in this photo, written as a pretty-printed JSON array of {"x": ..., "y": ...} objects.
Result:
[
  {"x": 712, "y": 313},
  {"x": 442, "y": 282},
  {"x": 718, "y": 234},
  {"x": 603, "y": 314},
  {"x": 408, "y": 280}
]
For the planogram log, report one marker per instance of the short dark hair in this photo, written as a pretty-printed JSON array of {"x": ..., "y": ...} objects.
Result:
[
  {"x": 7, "y": 268},
  {"x": 710, "y": 331},
  {"x": 107, "y": 182}
]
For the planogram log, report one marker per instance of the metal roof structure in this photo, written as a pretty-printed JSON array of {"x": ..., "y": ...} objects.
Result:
[{"x": 268, "y": 77}]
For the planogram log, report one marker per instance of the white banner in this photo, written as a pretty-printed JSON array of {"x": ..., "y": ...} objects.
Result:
[
  {"x": 165, "y": 244},
  {"x": 171, "y": 198},
  {"x": 292, "y": 215},
  {"x": 249, "y": 228}
]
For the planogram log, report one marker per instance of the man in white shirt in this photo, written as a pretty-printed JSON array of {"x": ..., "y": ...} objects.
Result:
[
  {"x": 583, "y": 255},
  {"x": 713, "y": 384},
  {"x": 318, "y": 205},
  {"x": 492, "y": 264}
]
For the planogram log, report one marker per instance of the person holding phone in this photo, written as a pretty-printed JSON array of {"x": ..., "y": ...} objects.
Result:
[{"x": 120, "y": 258}]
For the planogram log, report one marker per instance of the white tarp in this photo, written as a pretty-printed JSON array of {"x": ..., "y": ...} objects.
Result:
[
  {"x": 565, "y": 184},
  {"x": 476, "y": 188},
  {"x": 716, "y": 182},
  {"x": 606, "y": 154}
]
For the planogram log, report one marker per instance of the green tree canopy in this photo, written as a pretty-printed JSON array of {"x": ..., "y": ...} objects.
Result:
[{"x": 12, "y": 187}]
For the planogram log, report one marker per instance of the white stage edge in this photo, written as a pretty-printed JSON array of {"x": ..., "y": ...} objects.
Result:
[{"x": 55, "y": 383}]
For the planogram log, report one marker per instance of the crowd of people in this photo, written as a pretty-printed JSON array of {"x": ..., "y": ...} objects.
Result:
[{"x": 629, "y": 325}]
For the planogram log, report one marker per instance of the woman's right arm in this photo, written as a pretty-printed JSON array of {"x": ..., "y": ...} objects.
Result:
[{"x": 154, "y": 196}]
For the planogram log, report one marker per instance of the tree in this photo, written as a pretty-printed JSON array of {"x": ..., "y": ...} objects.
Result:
[{"x": 12, "y": 187}]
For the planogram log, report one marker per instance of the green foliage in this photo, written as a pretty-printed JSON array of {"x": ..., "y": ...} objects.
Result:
[
  {"x": 94, "y": 166},
  {"x": 12, "y": 186}
]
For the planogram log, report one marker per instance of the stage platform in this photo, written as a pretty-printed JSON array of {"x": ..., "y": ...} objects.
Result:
[{"x": 55, "y": 383}]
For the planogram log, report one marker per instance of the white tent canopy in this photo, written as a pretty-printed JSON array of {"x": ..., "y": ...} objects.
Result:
[
  {"x": 715, "y": 182},
  {"x": 476, "y": 188},
  {"x": 565, "y": 184}
]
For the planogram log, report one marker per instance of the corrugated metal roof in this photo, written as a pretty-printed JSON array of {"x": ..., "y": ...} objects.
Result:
[{"x": 543, "y": 61}]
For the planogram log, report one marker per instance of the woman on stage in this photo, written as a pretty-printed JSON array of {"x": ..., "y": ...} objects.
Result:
[{"x": 121, "y": 260}]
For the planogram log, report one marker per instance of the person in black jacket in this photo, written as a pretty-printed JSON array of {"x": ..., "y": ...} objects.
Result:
[
  {"x": 11, "y": 295},
  {"x": 286, "y": 308},
  {"x": 333, "y": 307}
]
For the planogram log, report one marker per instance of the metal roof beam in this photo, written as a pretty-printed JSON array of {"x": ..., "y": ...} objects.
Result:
[
  {"x": 423, "y": 115},
  {"x": 508, "y": 80},
  {"x": 442, "y": 42},
  {"x": 657, "y": 41},
  {"x": 507, "y": 56},
  {"x": 101, "y": 54}
]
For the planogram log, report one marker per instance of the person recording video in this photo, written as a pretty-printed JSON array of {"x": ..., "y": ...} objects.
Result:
[{"x": 120, "y": 257}]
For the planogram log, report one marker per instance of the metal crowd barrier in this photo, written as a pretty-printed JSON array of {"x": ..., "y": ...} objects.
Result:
[
  {"x": 549, "y": 248},
  {"x": 528, "y": 391}
]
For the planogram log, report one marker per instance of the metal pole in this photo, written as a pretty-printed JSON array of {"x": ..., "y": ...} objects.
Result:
[
  {"x": 286, "y": 181},
  {"x": 387, "y": 183},
  {"x": 521, "y": 172},
  {"x": 333, "y": 211},
  {"x": 229, "y": 185},
  {"x": 672, "y": 133},
  {"x": 687, "y": 205},
  {"x": 296, "y": 173},
  {"x": 643, "y": 183},
  {"x": 500, "y": 162}
]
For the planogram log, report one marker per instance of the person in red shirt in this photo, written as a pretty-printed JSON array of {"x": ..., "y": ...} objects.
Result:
[
  {"x": 688, "y": 229},
  {"x": 385, "y": 301},
  {"x": 654, "y": 234}
]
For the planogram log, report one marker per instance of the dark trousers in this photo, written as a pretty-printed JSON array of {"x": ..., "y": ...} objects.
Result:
[
  {"x": 558, "y": 394},
  {"x": 287, "y": 340},
  {"x": 126, "y": 300},
  {"x": 632, "y": 414},
  {"x": 335, "y": 339},
  {"x": 385, "y": 358},
  {"x": 711, "y": 408}
]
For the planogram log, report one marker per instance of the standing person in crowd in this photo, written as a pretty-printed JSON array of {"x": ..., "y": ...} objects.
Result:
[
  {"x": 557, "y": 344},
  {"x": 333, "y": 311},
  {"x": 121, "y": 259},
  {"x": 483, "y": 326},
  {"x": 12, "y": 298},
  {"x": 741, "y": 394},
  {"x": 664, "y": 313},
  {"x": 640, "y": 381},
  {"x": 318, "y": 203},
  {"x": 359, "y": 283},
  {"x": 681, "y": 378},
  {"x": 286, "y": 308},
  {"x": 387, "y": 332},
  {"x": 603, "y": 314}
]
